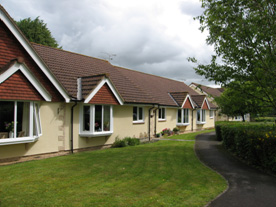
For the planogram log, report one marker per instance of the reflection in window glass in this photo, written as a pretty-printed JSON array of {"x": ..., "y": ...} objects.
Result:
[
  {"x": 140, "y": 113},
  {"x": 98, "y": 118},
  {"x": 86, "y": 118},
  {"x": 186, "y": 116},
  {"x": 203, "y": 115},
  {"x": 179, "y": 116},
  {"x": 106, "y": 118},
  {"x": 198, "y": 115},
  {"x": 135, "y": 117}
]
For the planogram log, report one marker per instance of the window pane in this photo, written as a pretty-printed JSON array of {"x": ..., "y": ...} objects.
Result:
[
  {"x": 23, "y": 119},
  {"x": 160, "y": 114},
  {"x": 135, "y": 117},
  {"x": 106, "y": 118},
  {"x": 186, "y": 116},
  {"x": 163, "y": 113},
  {"x": 203, "y": 115},
  {"x": 198, "y": 115},
  {"x": 179, "y": 116},
  {"x": 86, "y": 118},
  {"x": 98, "y": 118},
  {"x": 6, "y": 118},
  {"x": 37, "y": 118},
  {"x": 140, "y": 113}
]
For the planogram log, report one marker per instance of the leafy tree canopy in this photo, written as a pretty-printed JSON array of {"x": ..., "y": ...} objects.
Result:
[
  {"x": 235, "y": 101},
  {"x": 36, "y": 31},
  {"x": 243, "y": 33}
]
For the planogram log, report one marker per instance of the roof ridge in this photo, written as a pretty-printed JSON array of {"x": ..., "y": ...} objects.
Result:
[{"x": 151, "y": 74}]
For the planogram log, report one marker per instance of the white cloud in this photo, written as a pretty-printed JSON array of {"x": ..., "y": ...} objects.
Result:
[{"x": 153, "y": 36}]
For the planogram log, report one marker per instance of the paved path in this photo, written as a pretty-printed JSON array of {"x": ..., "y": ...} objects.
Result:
[{"x": 248, "y": 187}]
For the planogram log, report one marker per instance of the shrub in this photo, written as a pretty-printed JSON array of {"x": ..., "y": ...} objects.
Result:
[
  {"x": 128, "y": 141},
  {"x": 132, "y": 141},
  {"x": 252, "y": 142},
  {"x": 119, "y": 143}
]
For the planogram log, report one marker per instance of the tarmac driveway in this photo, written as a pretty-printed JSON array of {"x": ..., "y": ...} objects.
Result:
[{"x": 248, "y": 187}]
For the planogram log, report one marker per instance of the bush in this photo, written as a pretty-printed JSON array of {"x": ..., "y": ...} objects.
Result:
[
  {"x": 128, "y": 141},
  {"x": 132, "y": 141},
  {"x": 119, "y": 143},
  {"x": 252, "y": 142}
]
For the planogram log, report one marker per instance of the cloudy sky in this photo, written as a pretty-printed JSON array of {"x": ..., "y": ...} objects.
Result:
[{"x": 152, "y": 36}]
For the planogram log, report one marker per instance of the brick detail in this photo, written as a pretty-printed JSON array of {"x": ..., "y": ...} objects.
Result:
[
  {"x": 18, "y": 87},
  {"x": 104, "y": 96},
  {"x": 10, "y": 49},
  {"x": 187, "y": 104},
  {"x": 205, "y": 106}
]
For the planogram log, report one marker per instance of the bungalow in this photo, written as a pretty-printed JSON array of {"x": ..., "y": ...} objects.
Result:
[
  {"x": 54, "y": 101},
  {"x": 211, "y": 94}
]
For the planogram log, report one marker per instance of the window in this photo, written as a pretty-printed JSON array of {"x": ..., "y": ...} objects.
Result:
[
  {"x": 211, "y": 115},
  {"x": 183, "y": 117},
  {"x": 96, "y": 120},
  {"x": 138, "y": 114},
  {"x": 162, "y": 114},
  {"x": 201, "y": 116},
  {"x": 19, "y": 122}
]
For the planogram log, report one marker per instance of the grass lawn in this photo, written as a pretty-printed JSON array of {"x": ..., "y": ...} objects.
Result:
[
  {"x": 163, "y": 173},
  {"x": 189, "y": 136}
]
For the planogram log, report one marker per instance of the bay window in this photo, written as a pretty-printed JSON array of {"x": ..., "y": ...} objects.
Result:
[
  {"x": 19, "y": 122},
  {"x": 96, "y": 120},
  {"x": 201, "y": 116},
  {"x": 183, "y": 117}
]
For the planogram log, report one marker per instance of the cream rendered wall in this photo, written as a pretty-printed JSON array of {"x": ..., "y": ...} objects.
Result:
[
  {"x": 171, "y": 121},
  {"x": 123, "y": 126},
  {"x": 52, "y": 131},
  {"x": 210, "y": 122}
]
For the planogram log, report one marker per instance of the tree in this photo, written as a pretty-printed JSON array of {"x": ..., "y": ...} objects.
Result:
[
  {"x": 36, "y": 31},
  {"x": 234, "y": 102},
  {"x": 243, "y": 33}
]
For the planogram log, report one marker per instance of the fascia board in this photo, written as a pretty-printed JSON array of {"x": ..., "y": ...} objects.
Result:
[
  {"x": 99, "y": 86},
  {"x": 188, "y": 97}
]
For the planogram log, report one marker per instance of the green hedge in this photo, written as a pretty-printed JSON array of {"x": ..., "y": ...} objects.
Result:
[{"x": 253, "y": 142}]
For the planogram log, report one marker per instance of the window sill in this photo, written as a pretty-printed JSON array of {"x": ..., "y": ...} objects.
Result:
[
  {"x": 10, "y": 141},
  {"x": 200, "y": 123},
  {"x": 138, "y": 122},
  {"x": 183, "y": 124},
  {"x": 162, "y": 120},
  {"x": 95, "y": 134}
]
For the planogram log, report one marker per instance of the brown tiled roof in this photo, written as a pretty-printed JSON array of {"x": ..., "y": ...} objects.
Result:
[
  {"x": 214, "y": 92},
  {"x": 198, "y": 100},
  {"x": 88, "y": 83},
  {"x": 179, "y": 97},
  {"x": 133, "y": 86}
]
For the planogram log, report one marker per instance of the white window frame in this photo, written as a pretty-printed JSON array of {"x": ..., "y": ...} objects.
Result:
[
  {"x": 138, "y": 121},
  {"x": 91, "y": 132},
  {"x": 211, "y": 114},
  {"x": 165, "y": 115},
  {"x": 202, "y": 116},
  {"x": 182, "y": 123},
  {"x": 34, "y": 117}
]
